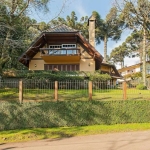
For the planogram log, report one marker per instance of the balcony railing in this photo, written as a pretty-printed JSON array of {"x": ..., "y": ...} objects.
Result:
[{"x": 60, "y": 51}]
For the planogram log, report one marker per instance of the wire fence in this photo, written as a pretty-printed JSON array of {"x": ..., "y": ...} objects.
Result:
[
  {"x": 9, "y": 90},
  {"x": 107, "y": 91},
  {"x": 73, "y": 90},
  {"x": 44, "y": 90},
  {"x": 134, "y": 93},
  {"x": 38, "y": 90}
]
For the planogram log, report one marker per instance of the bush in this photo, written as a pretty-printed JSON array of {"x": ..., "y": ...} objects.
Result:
[
  {"x": 56, "y": 76},
  {"x": 72, "y": 113},
  {"x": 141, "y": 87}
]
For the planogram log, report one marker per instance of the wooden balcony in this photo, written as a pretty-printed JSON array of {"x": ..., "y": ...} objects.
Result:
[{"x": 63, "y": 55}]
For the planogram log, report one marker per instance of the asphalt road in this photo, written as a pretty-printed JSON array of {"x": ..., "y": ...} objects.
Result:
[{"x": 116, "y": 141}]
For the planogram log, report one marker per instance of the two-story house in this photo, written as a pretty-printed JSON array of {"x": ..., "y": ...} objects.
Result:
[
  {"x": 127, "y": 72},
  {"x": 65, "y": 49}
]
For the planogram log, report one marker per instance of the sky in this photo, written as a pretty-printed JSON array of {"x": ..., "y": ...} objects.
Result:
[{"x": 84, "y": 8}]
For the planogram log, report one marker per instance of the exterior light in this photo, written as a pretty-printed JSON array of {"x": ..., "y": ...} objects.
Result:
[
  {"x": 35, "y": 65},
  {"x": 91, "y": 63}
]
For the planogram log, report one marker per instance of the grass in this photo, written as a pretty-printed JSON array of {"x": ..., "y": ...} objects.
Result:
[
  {"x": 8, "y": 94},
  {"x": 80, "y": 94},
  {"x": 117, "y": 94},
  {"x": 65, "y": 132}
]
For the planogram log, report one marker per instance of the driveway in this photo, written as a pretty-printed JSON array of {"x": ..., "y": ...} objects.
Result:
[{"x": 115, "y": 141}]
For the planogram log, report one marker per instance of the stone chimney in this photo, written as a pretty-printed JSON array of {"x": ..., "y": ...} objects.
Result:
[{"x": 91, "y": 24}]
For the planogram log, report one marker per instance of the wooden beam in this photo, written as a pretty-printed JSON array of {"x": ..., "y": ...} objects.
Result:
[
  {"x": 90, "y": 90},
  {"x": 124, "y": 90},
  {"x": 56, "y": 90},
  {"x": 44, "y": 37},
  {"x": 21, "y": 91}
]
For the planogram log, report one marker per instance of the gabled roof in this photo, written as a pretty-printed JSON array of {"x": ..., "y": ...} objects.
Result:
[
  {"x": 132, "y": 66},
  {"x": 116, "y": 73},
  {"x": 129, "y": 67},
  {"x": 61, "y": 28},
  {"x": 59, "y": 33}
]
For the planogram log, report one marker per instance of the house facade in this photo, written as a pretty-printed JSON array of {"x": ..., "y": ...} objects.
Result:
[
  {"x": 62, "y": 48},
  {"x": 126, "y": 72},
  {"x": 65, "y": 49}
]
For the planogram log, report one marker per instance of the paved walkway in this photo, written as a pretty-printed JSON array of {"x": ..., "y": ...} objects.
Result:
[{"x": 115, "y": 141}]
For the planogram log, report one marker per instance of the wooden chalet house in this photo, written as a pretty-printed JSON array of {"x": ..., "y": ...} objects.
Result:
[{"x": 65, "y": 49}]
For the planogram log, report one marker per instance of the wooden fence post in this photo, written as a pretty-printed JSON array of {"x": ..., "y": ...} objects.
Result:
[
  {"x": 124, "y": 90},
  {"x": 56, "y": 90},
  {"x": 21, "y": 91},
  {"x": 90, "y": 90}
]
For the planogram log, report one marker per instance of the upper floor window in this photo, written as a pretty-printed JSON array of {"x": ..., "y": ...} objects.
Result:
[
  {"x": 58, "y": 49},
  {"x": 55, "y": 49},
  {"x": 73, "y": 51}
]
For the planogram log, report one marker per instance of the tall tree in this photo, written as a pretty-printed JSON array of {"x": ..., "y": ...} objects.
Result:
[
  {"x": 110, "y": 28},
  {"x": 72, "y": 21},
  {"x": 118, "y": 54},
  {"x": 13, "y": 18},
  {"x": 136, "y": 14},
  {"x": 133, "y": 44}
]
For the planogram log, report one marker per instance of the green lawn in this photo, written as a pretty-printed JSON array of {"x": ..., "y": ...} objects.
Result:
[
  {"x": 117, "y": 94},
  {"x": 80, "y": 94},
  {"x": 65, "y": 132},
  {"x": 9, "y": 94}
]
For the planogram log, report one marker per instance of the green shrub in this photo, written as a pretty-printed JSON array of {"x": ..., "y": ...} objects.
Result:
[
  {"x": 141, "y": 87},
  {"x": 72, "y": 113},
  {"x": 56, "y": 76}
]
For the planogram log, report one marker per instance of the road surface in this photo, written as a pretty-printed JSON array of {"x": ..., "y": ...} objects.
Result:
[{"x": 115, "y": 141}]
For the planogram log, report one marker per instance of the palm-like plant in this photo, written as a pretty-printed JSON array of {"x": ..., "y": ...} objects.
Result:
[
  {"x": 118, "y": 54},
  {"x": 110, "y": 28}
]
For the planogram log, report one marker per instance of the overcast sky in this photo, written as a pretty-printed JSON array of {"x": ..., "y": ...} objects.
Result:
[{"x": 84, "y": 8}]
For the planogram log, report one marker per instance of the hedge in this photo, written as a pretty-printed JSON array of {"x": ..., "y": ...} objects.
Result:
[
  {"x": 67, "y": 113},
  {"x": 56, "y": 76}
]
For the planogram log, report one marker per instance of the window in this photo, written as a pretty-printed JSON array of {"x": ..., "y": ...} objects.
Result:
[
  {"x": 55, "y": 49},
  {"x": 62, "y": 67},
  {"x": 70, "y": 46}
]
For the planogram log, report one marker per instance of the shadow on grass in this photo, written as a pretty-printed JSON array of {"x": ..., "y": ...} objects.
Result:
[
  {"x": 103, "y": 98},
  {"x": 54, "y": 134},
  {"x": 8, "y": 148},
  {"x": 137, "y": 98}
]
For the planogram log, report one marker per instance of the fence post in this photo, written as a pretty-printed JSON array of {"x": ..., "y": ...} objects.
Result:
[
  {"x": 56, "y": 90},
  {"x": 21, "y": 91},
  {"x": 90, "y": 90},
  {"x": 124, "y": 90}
]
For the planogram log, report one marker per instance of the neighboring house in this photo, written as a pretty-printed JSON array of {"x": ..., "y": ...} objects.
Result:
[
  {"x": 65, "y": 49},
  {"x": 126, "y": 72}
]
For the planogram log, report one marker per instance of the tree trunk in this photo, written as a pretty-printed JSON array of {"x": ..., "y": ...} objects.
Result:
[
  {"x": 141, "y": 51},
  {"x": 105, "y": 48},
  {"x": 4, "y": 58},
  {"x": 1, "y": 73},
  {"x": 140, "y": 57},
  {"x": 144, "y": 57},
  {"x": 122, "y": 63}
]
